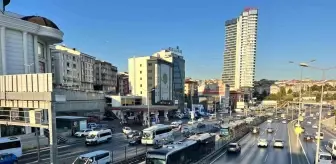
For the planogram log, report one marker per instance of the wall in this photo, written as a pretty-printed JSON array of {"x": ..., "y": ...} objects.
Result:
[{"x": 80, "y": 101}]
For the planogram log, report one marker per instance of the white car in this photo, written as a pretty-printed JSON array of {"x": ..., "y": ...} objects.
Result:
[
  {"x": 269, "y": 130},
  {"x": 191, "y": 122},
  {"x": 308, "y": 122},
  {"x": 324, "y": 158},
  {"x": 314, "y": 118},
  {"x": 262, "y": 143},
  {"x": 284, "y": 121},
  {"x": 200, "y": 120},
  {"x": 314, "y": 126},
  {"x": 278, "y": 143},
  {"x": 126, "y": 130},
  {"x": 83, "y": 133},
  {"x": 269, "y": 121}
]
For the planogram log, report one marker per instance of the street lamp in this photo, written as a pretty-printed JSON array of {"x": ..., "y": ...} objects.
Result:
[
  {"x": 302, "y": 65},
  {"x": 147, "y": 101},
  {"x": 321, "y": 106}
]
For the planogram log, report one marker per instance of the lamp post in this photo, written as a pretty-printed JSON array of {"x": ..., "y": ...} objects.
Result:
[
  {"x": 147, "y": 101},
  {"x": 321, "y": 106},
  {"x": 300, "y": 93}
]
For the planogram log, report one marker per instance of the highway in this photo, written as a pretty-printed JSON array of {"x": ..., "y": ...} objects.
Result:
[
  {"x": 68, "y": 153},
  {"x": 310, "y": 147},
  {"x": 251, "y": 153}
]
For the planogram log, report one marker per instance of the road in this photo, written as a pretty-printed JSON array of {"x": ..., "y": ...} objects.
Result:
[
  {"x": 68, "y": 153},
  {"x": 250, "y": 153},
  {"x": 310, "y": 147}
]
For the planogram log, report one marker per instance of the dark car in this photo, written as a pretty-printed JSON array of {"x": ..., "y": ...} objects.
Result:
[
  {"x": 308, "y": 138},
  {"x": 200, "y": 125},
  {"x": 8, "y": 159},
  {"x": 136, "y": 140},
  {"x": 134, "y": 133}
]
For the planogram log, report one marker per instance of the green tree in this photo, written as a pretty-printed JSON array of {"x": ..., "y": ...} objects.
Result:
[
  {"x": 290, "y": 91},
  {"x": 272, "y": 97},
  {"x": 296, "y": 94},
  {"x": 282, "y": 91},
  {"x": 315, "y": 88}
]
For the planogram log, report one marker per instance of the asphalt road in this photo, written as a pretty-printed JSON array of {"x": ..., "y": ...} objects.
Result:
[
  {"x": 68, "y": 153},
  {"x": 310, "y": 147},
  {"x": 251, "y": 153}
]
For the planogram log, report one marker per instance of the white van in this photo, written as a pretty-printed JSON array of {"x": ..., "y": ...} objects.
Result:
[
  {"x": 97, "y": 137},
  {"x": 324, "y": 158},
  {"x": 331, "y": 147},
  {"x": 96, "y": 157}
]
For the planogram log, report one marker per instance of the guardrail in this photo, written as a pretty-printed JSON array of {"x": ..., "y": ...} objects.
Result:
[{"x": 206, "y": 159}]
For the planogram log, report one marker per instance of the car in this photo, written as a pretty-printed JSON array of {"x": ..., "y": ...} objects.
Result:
[
  {"x": 262, "y": 143},
  {"x": 278, "y": 143},
  {"x": 134, "y": 133},
  {"x": 200, "y": 120},
  {"x": 308, "y": 122},
  {"x": 255, "y": 130},
  {"x": 321, "y": 136},
  {"x": 284, "y": 121},
  {"x": 126, "y": 130},
  {"x": 314, "y": 118},
  {"x": 136, "y": 140},
  {"x": 200, "y": 125},
  {"x": 314, "y": 126},
  {"x": 191, "y": 122},
  {"x": 83, "y": 133},
  {"x": 269, "y": 130},
  {"x": 7, "y": 158},
  {"x": 308, "y": 138},
  {"x": 323, "y": 158},
  {"x": 176, "y": 124},
  {"x": 234, "y": 148},
  {"x": 269, "y": 121}
]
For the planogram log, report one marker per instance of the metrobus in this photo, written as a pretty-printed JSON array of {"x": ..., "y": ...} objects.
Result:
[
  {"x": 11, "y": 145},
  {"x": 157, "y": 133},
  {"x": 187, "y": 151}
]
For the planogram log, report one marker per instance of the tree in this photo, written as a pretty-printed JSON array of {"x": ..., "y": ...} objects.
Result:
[
  {"x": 282, "y": 91},
  {"x": 290, "y": 91},
  {"x": 295, "y": 94},
  {"x": 272, "y": 97},
  {"x": 264, "y": 94}
]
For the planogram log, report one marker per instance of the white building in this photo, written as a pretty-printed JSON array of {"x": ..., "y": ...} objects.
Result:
[
  {"x": 240, "y": 50},
  {"x": 87, "y": 74},
  {"x": 24, "y": 43},
  {"x": 66, "y": 66},
  {"x": 151, "y": 77}
]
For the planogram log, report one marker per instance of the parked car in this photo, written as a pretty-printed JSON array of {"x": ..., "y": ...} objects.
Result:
[
  {"x": 83, "y": 133},
  {"x": 126, "y": 130}
]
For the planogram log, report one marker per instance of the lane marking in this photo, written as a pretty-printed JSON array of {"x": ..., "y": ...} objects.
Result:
[
  {"x": 290, "y": 148},
  {"x": 266, "y": 158},
  {"x": 304, "y": 152}
]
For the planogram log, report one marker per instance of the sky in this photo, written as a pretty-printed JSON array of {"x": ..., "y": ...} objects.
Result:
[{"x": 115, "y": 30}]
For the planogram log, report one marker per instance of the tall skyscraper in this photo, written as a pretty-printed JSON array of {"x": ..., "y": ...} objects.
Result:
[{"x": 240, "y": 50}]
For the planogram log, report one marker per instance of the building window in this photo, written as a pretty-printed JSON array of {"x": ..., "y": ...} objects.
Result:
[
  {"x": 140, "y": 92},
  {"x": 140, "y": 78},
  {"x": 74, "y": 58},
  {"x": 42, "y": 67},
  {"x": 140, "y": 65},
  {"x": 140, "y": 72},
  {"x": 68, "y": 64},
  {"x": 74, "y": 65},
  {"x": 149, "y": 64},
  {"x": 40, "y": 50},
  {"x": 149, "y": 71},
  {"x": 140, "y": 85}
]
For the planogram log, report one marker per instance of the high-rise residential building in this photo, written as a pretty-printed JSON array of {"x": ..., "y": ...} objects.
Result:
[
  {"x": 66, "y": 67},
  {"x": 87, "y": 74},
  {"x": 174, "y": 56},
  {"x": 123, "y": 85},
  {"x": 105, "y": 77},
  {"x": 240, "y": 50},
  {"x": 151, "y": 77}
]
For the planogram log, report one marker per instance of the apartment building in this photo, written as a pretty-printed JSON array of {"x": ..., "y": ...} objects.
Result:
[
  {"x": 151, "y": 78},
  {"x": 175, "y": 57},
  {"x": 105, "y": 77},
  {"x": 87, "y": 72},
  {"x": 123, "y": 85},
  {"x": 240, "y": 50},
  {"x": 66, "y": 66}
]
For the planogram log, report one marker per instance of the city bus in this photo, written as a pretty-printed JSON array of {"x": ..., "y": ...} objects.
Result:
[
  {"x": 11, "y": 145},
  {"x": 187, "y": 151},
  {"x": 156, "y": 134}
]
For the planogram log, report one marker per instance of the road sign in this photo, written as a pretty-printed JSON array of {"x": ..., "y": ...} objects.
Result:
[{"x": 298, "y": 130}]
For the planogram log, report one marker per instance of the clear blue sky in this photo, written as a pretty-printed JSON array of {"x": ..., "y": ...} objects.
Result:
[{"x": 114, "y": 30}]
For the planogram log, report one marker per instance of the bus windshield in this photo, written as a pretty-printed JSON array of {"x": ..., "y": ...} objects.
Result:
[
  {"x": 147, "y": 135},
  {"x": 155, "y": 161}
]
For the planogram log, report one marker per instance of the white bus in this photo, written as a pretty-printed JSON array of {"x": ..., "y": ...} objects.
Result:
[
  {"x": 157, "y": 133},
  {"x": 11, "y": 145},
  {"x": 99, "y": 156}
]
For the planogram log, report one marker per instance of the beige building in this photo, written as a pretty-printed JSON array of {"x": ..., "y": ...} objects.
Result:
[
  {"x": 240, "y": 50},
  {"x": 87, "y": 71},
  {"x": 66, "y": 67},
  {"x": 274, "y": 89},
  {"x": 151, "y": 78},
  {"x": 105, "y": 76}
]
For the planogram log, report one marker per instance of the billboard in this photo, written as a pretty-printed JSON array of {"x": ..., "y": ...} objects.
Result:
[{"x": 163, "y": 88}]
